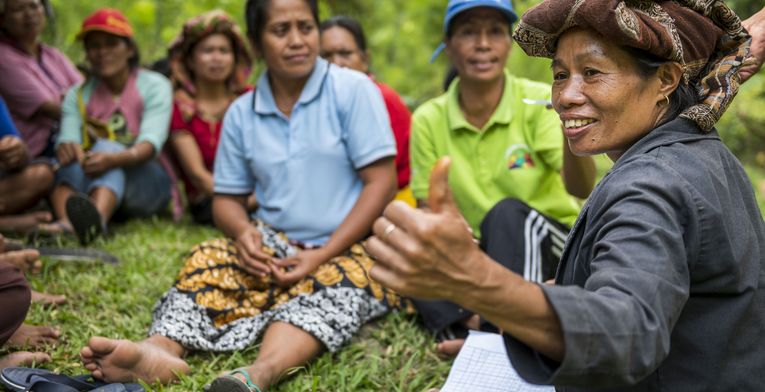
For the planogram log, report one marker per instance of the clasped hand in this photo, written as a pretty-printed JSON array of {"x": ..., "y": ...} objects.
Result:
[
  {"x": 13, "y": 153},
  {"x": 284, "y": 272},
  {"x": 427, "y": 254},
  {"x": 93, "y": 163}
]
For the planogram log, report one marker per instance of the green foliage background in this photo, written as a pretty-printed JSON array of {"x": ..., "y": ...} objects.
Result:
[
  {"x": 394, "y": 354},
  {"x": 402, "y": 35}
]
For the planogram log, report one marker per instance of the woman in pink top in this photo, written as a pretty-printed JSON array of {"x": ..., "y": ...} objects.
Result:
[
  {"x": 209, "y": 65},
  {"x": 35, "y": 76}
]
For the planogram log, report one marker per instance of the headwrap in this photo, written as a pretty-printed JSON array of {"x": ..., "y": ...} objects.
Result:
[
  {"x": 194, "y": 31},
  {"x": 704, "y": 36}
]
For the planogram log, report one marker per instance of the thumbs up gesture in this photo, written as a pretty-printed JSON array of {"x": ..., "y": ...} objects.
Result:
[{"x": 427, "y": 254}]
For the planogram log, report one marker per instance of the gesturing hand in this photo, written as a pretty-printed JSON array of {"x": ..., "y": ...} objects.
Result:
[
  {"x": 427, "y": 254},
  {"x": 755, "y": 25},
  {"x": 251, "y": 255},
  {"x": 286, "y": 272}
]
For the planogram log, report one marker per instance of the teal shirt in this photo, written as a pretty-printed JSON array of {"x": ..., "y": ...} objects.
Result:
[{"x": 157, "y": 95}]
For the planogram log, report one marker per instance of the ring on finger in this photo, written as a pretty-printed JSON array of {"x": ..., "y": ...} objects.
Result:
[{"x": 388, "y": 230}]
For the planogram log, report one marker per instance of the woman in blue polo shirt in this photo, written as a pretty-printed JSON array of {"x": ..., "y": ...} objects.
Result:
[{"x": 314, "y": 143}]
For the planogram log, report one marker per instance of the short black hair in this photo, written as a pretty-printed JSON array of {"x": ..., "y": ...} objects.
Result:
[
  {"x": 349, "y": 24},
  {"x": 256, "y": 16},
  {"x": 647, "y": 65},
  {"x": 135, "y": 60}
]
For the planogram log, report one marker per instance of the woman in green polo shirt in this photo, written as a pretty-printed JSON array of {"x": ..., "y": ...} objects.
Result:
[{"x": 514, "y": 179}]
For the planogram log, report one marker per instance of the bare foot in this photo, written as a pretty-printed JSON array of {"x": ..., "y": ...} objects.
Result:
[
  {"x": 23, "y": 358},
  {"x": 114, "y": 360},
  {"x": 450, "y": 348},
  {"x": 27, "y": 260},
  {"x": 33, "y": 336},
  {"x": 46, "y": 299},
  {"x": 22, "y": 223}
]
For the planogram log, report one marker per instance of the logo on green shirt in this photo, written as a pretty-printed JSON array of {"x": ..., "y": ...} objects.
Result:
[{"x": 518, "y": 156}]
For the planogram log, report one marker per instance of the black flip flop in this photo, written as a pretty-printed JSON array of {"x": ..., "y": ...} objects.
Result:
[
  {"x": 85, "y": 218},
  {"x": 41, "y": 380}
]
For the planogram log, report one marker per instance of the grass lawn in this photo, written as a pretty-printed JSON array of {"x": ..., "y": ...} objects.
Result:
[{"x": 393, "y": 354}]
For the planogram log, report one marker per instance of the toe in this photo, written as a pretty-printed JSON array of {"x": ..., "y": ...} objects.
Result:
[
  {"x": 86, "y": 354},
  {"x": 43, "y": 216},
  {"x": 101, "y": 346},
  {"x": 39, "y": 357},
  {"x": 450, "y": 348},
  {"x": 26, "y": 358}
]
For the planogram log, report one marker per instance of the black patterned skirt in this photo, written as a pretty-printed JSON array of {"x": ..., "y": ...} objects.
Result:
[{"x": 215, "y": 305}]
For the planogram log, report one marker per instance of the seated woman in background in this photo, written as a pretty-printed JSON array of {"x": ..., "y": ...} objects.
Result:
[
  {"x": 113, "y": 128},
  {"x": 343, "y": 43},
  {"x": 22, "y": 184},
  {"x": 209, "y": 65},
  {"x": 515, "y": 179},
  {"x": 15, "y": 298},
  {"x": 35, "y": 76},
  {"x": 34, "y": 79},
  {"x": 314, "y": 143},
  {"x": 661, "y": 286}
]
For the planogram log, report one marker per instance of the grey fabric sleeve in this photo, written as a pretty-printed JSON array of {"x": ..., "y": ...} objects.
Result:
[{"x": 617, "y": 326}]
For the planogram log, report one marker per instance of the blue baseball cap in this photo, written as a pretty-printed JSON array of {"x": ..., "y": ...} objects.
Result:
[{"x": 457, "y": 6}]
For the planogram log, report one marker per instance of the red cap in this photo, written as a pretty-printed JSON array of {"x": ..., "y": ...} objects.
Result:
[{"x": 108, "y": 20}]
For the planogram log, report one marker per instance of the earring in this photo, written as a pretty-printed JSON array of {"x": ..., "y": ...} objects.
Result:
[{"x": 667, "y": 98}]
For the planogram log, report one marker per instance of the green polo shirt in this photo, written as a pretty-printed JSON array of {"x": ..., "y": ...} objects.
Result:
[{"x": 517, "y": 154}]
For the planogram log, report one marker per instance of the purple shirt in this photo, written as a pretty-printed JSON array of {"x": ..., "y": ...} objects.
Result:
[{"x": 27, "y": 83}]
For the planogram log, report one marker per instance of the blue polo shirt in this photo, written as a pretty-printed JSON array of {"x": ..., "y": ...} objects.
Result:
[
  {"x": 304, "y": 168},
  {"x": 6, "y": 123}
]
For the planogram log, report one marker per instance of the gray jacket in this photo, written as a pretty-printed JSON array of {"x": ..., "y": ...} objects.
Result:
[{"x": 661, "y": 286}]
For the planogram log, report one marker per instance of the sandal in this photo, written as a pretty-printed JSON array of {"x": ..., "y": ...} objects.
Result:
[
  {"x": 85, "y": 218},
  {"x": 41, "y": 380},
  {"x": 231, "y": 383}
]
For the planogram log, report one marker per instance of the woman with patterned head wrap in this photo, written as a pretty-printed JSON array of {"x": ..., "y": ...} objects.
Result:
[
  {"x": 661, "y": 285},
  {"x": 209, "y": 64}
]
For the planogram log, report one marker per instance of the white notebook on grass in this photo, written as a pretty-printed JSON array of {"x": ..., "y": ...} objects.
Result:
[{"x": 483, "y": 366}]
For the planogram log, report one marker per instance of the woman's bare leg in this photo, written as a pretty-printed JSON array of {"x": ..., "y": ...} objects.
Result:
[
  {"x": 156, "y": 359},
  {"x": 58, "y": 201},
  {"x": 24, "y": 189},
  {"x": 284, "y": 347},
  {"x": 105, "y": 201}
]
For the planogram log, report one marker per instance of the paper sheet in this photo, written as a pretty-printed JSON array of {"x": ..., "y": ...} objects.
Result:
[{"x": 483, "y": 366}]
